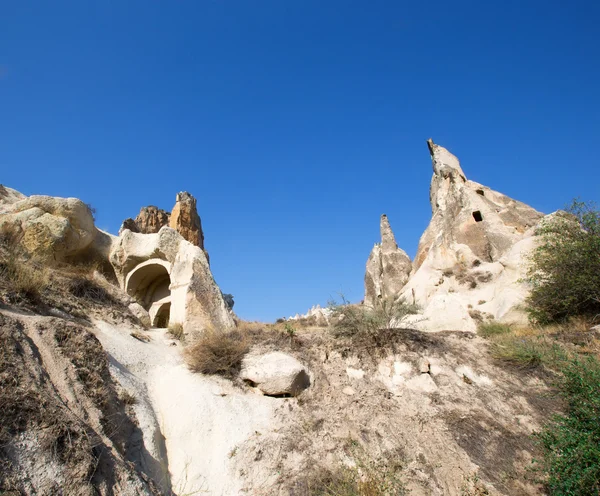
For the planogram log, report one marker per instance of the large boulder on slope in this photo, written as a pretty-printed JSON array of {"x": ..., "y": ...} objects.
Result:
[{"x": 275, "y": 373}]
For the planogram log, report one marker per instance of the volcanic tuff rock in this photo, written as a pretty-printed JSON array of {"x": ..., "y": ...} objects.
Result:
[
  {"x": 470, "y": 259},
  {"x": 388, "y": 267},
  {"x": 164, "y": 268},
  {"x": 185, "y": 219},
  {"x": 149, "y": 221},
  {"x": 50, "y": 228}
]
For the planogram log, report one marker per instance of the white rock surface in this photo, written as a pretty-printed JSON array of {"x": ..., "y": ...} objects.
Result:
[
  {"x": 275, "y": 373},
  {"x": 388, "y": 267},
  {"x": 50, "y": 228},
  {"x": 191, "y": 423},
  {"x": 196, "y": 300},
  {"x": 471, "y": 259}
]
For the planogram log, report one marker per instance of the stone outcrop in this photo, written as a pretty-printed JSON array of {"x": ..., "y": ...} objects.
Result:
[
  {"x": 149, "y": 221},
  {"x": 275, "y": 374},
  {"x": 9, "y": 195},
  {"x": 172, "y": 280},
  {"x": 185, "y": 219},
  {"x": 49, "y": 228},
  {"x": 481, "y": 224},
  {"x": 388, "y": 267},
  {"x": 471, "y": 258}
]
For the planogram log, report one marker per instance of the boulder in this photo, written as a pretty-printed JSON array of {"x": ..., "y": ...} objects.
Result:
[
  {"x": 49, "y": 228},
  {"x": 275, "y": 374},
  {"x": 388, "y": 267},
  {"x": 140, "y": 313}
]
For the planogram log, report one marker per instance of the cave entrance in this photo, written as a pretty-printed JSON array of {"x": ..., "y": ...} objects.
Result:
[
  {"x": 162, "y": 316},
  {"x": 477, "y": 216},
  {"x": 149, "y": 283}
]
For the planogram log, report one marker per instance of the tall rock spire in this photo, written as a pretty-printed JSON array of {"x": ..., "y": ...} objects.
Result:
[
  {"x": 388, "y": 267},
  {"x": 484, "y": 222}
]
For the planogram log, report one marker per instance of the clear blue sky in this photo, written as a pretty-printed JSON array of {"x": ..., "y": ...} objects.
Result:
[{"x": 297, "y": 123}]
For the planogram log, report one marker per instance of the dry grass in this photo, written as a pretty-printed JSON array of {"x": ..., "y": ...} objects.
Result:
[
  {"x": 535, "y": 345},
  {"x": 218, "y": 353},
  {"x": 26, "y": 279},
  {"x": 367, "y": 477},
  {"x": 176, "y": 331}
]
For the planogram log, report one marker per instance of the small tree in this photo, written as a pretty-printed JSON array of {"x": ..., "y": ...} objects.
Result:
[{"x": 565, "y": 268}]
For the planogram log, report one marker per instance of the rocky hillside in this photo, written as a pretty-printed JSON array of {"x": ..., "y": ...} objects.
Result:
[{"x": 124, "y": 370}]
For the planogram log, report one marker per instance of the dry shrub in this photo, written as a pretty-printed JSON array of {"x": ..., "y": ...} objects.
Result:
[
  {"x": 176, "y": 331},
  {"x": 368, "y": 477},
  {"x": 218, "y": 353},
  {"x": 25, "y": 278}
]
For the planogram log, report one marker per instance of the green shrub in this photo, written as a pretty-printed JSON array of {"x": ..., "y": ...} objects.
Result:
[
  {"x": 571, "y": 442},
  {"x": 488, "y": 329},
  {"x": 565, "y": 268},
  {"x": 527, "y": 352}
]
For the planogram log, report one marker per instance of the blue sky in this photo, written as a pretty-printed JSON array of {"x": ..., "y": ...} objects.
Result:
[{"x": 296, "y": 124}]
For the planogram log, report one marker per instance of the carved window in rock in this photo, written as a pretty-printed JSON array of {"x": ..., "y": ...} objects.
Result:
[{"x": 477, "y": 216}]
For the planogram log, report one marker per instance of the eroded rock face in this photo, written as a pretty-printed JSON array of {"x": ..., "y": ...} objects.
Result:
[
  {"x": 472, "y": 256},
  {"x": 49, "y": 228},
  {"x": 471, "y": 259},
  {"x": 148, "y": 221},
  {"x": 468, "y": 215},
  {"x": 388, "y": 267},
  {"x": 275, "y": 373},
  {"x": 185, "y": 219},
  {"x": 165, "y": 270}
]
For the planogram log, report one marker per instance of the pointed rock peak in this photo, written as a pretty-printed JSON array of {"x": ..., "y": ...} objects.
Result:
[
  {"x": 388, "y": 241},
  {"x": 445, "y": 164},
  {"x": 185, "y": 219}
]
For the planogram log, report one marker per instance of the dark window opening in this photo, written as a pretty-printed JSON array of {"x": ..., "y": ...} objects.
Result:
[
  {"x": 480, "y": 192},
  {"x": 477, "y": 216}
]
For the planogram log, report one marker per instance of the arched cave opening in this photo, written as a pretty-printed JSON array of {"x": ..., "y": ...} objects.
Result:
[{"x": 149, "y": 283}]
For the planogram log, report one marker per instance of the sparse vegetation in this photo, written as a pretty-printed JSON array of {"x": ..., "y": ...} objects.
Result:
[
  {"x": 176, "y": 331},
  {"x": 492, "y": 328},
  {"x": 359, "y": 321},
  {"x": 24, "y": 278},
  {"x": 366, "y": 477},
  {"x": 218, "y": 353},
  {"x": 571, "y": 441},
  {"x": 565, "y": 268}
]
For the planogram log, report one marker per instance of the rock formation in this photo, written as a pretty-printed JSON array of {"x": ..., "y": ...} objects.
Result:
[
  {"x": 275, "y": 373},
  {"x": 149, "y": 221},
  {"x": 171, "y": 278},
  {"x": 388, "y": 267},
  {"x": 49, "y": 228},
  {"x": 185, "y": 219},
  {"x": 470, "y": 259}
]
